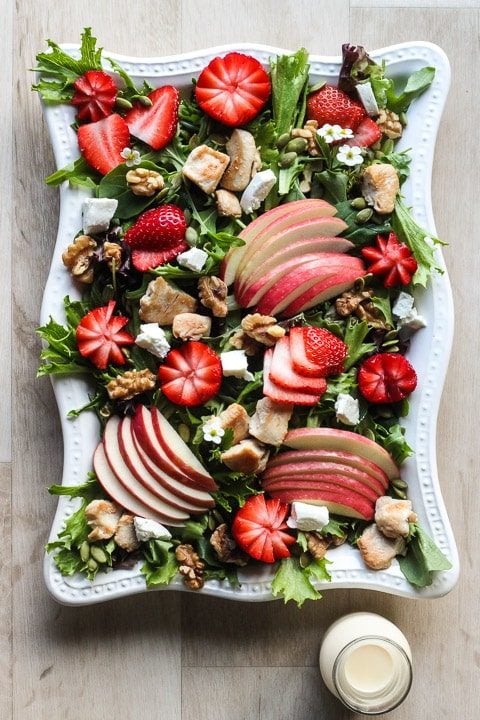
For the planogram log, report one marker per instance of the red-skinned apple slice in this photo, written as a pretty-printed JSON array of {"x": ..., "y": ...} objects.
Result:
[
  {"x": 119, "y": 494},
  {"x": 129, "y": 481},
  {"x": 321, "y": 291},
  {"x": 338, "y": 503},
  {"x": 343, "y": 440},
  {"x": 278, "y": 394},
  {"x": 283, "y": 374},
  {"x": 318, "y": 470},
  {"x": 334, "y": 483},
  {"x": 179, "y": 452}
]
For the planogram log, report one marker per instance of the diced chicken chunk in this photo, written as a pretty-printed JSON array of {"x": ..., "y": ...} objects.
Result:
[
  {"x": 380, "y": 186},
  {"x": 125, "y": 536},
  {"x": 103, "y": 517},
  {"x": 205, "y": 166},
  {"x": 235, "y": 418},
  {"x": 393, "y": 516},
  {"x": 228, "y": 204},
  {"x": 242, "y": 152},
  {"x": 163, "y": 301},
  {"x": 249, "y": 457},
  {"x": 377, "y": 550},
  {"x": 269, "y": 424},
  {"x": 191, "y": 326}
]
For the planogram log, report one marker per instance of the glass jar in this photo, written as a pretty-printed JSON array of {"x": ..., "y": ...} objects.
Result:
[{"x": 365, "y": 660}]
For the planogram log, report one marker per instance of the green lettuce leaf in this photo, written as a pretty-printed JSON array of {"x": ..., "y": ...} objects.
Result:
[
  {"x": 293, "y": 582},
  {"x": 289, "y": 76},
  {"x": 160, "y": 565},
  {"x": 423, "y": 558},
  {"x": 411, "y": 233}
]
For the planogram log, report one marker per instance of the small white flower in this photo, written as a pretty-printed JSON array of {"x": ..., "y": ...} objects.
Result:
[
  {"x": 333, "y": 133},
  {"x": 131, "y": 157},
  {"x": 350, "y": 156},
  {"x": 213, "y": 431},
  {"x": 345, "y": 133}
]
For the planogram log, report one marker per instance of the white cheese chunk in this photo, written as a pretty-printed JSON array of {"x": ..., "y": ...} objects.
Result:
[
  {"x": 403, "y": 305},
  {"x": 147, "y": 529},
  {"x": 307, "y": 517},
  {"x": 408, "y": 318},
  {"x": 257, "y": 190},
  {"x": 97, "y": 214},
  {"x": 152, "y": 338},
  {"x": 367, "y": 98},
  {"x": 193, "y": 259},
  {"x": 347, "y": 409},
  {"x": 234, "y": 363}
]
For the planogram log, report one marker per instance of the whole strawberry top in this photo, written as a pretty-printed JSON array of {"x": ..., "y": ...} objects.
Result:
[
  {"x": 333, "y": 106},
  {"x": 157, "y": 237}
]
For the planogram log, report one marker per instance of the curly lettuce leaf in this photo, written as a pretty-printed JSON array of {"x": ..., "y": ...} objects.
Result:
[
  {"x": 293, "y": 582},
  {"x": 160, "y": 566},
  {"x": 289, "y": 75},
  {"x": 423, "y": 558},
  {"x": 420, "y": 242}
]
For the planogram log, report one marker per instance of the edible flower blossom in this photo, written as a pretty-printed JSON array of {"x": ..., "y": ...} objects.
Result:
[
  {"x": 350, "y": 156},
  {"x": 131, "y": 157},
  {"x": 212, "y": 430},
  {"x": 334, "y": 133}
]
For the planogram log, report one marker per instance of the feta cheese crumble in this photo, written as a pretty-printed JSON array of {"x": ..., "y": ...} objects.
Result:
[
  {"x": 347, "y": 409},
  {"x": 193, "y": 259},
  {"x": 308, "y": 517},
  {"x": 257, "y": 190},
  {"x": 97, "y": 214},
  {"x": 234, "y": 364},
  {"x": 153, "y": 339},
  {"x": 408, "y": 318},
  {"x": 147, "y": 529}
]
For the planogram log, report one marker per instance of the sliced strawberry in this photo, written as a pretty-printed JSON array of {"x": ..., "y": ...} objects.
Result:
[
  {"x": 191, "y": 374},
  {"x": 102, "y": 142},
  {"x": 233, "y": 89},
  {"x": 333, "y": 106},
  {"x": 157, "y": 237},
  {"x": 316, "y": 351},
  {"x": 259, "y": 529},
  {"x": 95, "y": 95},
  {"x": 391, "y": 260},
  {"x": 386, "y": 378},
  {"x": 156, "y": 125},
  {"x": 100, "y": 336},
  {"x": 366, "y": 134},
  {"x": 283, "y": 374},
  {"x": 280, "y": 394}
]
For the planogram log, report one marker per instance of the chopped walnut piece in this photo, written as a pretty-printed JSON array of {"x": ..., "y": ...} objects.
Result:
[
  {"x": 262, "y": 328},
  {"x": 163, "y": 301},
  {"x": 269, "y": 424},
  {"x": 241, "y": 341},
  {"x": 249, "y": 457},
  {"x": 226, "y": 547},
  {"x": 389, "y": 123},
  {"x": 373, "y": 316},
  {"x": 191, "y": 567},
  {"x": 377, "y": 550},
  {"x": 212, "y": 293},
  {"x": 380, "y": 185},
  {"x": 125, "y": 536},
  {"x": 112, "y": 252},
  {"x": 144, "y": 182},
  {"x": 228, "y": 204},
  {"x": 235, "y": 418},
  {"x": 393, "y": 516},
  {"x": 103, "y": 517},
  {"x": 131, "y": 383},
  {"x": 317, "y": 544},
  {"x": 191, "y": 326},
  {"x": 79, "y": 258},
  {"x": 349, "y": 301}
]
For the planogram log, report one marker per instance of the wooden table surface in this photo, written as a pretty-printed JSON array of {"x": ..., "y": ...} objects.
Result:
[{"x": 169, "y": 655}]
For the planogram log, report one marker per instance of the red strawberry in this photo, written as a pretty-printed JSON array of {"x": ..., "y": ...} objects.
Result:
[
  {"x": 283, "y": 374},
  {"x": 280, "y": 394},
  {"x": 258, "y": 529},
  {"x": 100, "y": 336},
  {"x": 157, "y": 237},
  {"x": 191, "y": 374},
  {"x": 233, "y": 89},
  {"x": 366, "y": 134},
  {"x": 333, "y": 106},
  {"x": 102, "y": 142},
  {"x": 316, "y": 352},
  {"x": 386, "y": 378},
  {"x": 391, "y": 260},
  {"x": 156, "y": 125},
  {"x": 94, "y": 96}
]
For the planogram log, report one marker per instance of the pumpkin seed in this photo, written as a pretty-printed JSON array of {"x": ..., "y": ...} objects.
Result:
[
  {"x": 388, "y": 146},
  {"x": 92, "y": 565},
  {"x": 98, "y": 554},
  {"x": 184, "y": 432},
  {"x": 283, "y": 140},
  {"x": 399, "y": 483},
  {"x": 403, "y": 119},
  {"x": 364, "y": 216},
  {"x": 287, "y": 159},
  {"x": 359, "y": 203},
  {"x": 297, "y": 145},
  {"x": 123, "y": 103},
  {"x": 84, "y": 551},
  {"x": 191, "y": 236}
]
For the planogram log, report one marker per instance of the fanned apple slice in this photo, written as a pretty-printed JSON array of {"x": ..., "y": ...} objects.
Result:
[
  {"x": 319, "y": 469},
  {"x": 337, "y": 502},
  {"x": 326, "y": 481}
]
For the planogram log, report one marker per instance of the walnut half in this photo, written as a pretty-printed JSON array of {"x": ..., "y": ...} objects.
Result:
[
  {"x": 212, "y": 293},
  {"x": 79, "y": 258},
  {"x": 131, "y": 383}
]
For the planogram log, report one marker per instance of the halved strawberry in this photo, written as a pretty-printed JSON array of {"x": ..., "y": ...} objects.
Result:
[
  {"x": 191, "y": 374},
  {"x": 366, "y": 134},
  {"x": 100, "y": 336},
  {"x": 259, "y": 529},
  {"x": 386, "y": 378},
  {"x": 156, "y": 125},
  {"x": 316, "y": 351},
  {"x": 333, "y": 106},
  {"x": 391, "y": 260},
  {"x": 157, "y": 237},
  {"x": 102, "y": 142},
  {"x": 233, "y": 89},
  {"x": 94, "y": 96}
]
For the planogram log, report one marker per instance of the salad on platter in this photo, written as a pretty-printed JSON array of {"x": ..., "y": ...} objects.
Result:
[{"x": 248, "y": 272}]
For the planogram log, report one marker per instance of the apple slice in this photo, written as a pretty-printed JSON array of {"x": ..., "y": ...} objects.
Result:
[
  {"x": 328, "y": 482},
  {"x": 338, "y": 503},
  {"x": 283, "y": 374},
  {"x": 318, "y": 469},
  {"x": 280, "y": 395},
  {"x": 129, "y": 481},
  {"x": 179, "y": 453},
  {"x": 329, "y": 456},
  {"x": 343, "y": 440},
  {"x": 119, "y": 494}
]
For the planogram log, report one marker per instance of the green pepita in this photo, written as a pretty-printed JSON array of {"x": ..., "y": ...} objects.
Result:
[
  {"x": 144, "y": 100},
  {"x": 388, "y": 146},
  {"x": 184, "y": 432},
  {"x": 191, "y": 236},
  {"x": 364, "y": 216},
  {"x": 92, "y": 565},
  {"x": 123, "y": 103},
  {"x": 287, "y": 159},
  {"x": 98, "y": 554},
  {"x": 84, "y": 551},
  {"x": 400, "y": 493},
  {"x": 403, "y": 119},
  {"x": 305, "y": 560},
  {"x": 359, "y": 203},
  {"x": 399, "y": 484},
  {"x": 283, "y": 140},
  {"x": 297, "y": 145},
  {"x": 212, "y": 523}
]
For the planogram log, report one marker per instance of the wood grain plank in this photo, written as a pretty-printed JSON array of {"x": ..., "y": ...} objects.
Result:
[
  {"x": 5, "y": 592},
  {"x": 417, "y": 4}
]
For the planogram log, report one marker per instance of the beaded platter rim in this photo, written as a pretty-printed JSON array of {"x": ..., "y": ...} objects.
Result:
[{"x": 430, "y": 350}]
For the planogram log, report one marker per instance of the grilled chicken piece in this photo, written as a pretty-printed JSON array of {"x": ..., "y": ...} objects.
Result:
[
  {"x": 249, "y": 457},
  {"x": 377, "y": 550},
  {"x": 269, "y": 424},
  {"x": 393, "y": 516},
  {"x": 242, "y": 152},
  {"x": 163, "y": 301}
]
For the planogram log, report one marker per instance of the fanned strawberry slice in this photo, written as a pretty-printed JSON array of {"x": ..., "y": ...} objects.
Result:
[
  {"x": 94, "y": 96},
  {"x": 316, "y": 351},
  {"x": 366, "y": 134},
  {"x": 233, "y": 89},
  {"x": 102, "y": 142},
  {"x": 391, "y": 260},
  {"x": 259, "y": 529},
  {"x": 157, "y": 237},
  {"x": 156, "y": 125},
  {"x": 100, "y": 336},
  {"x": 283, "y": 374},
  {"x": 191, "y": 374},
  {"x": 280, "y": 394},
  {"x": 386, "y": 378}
]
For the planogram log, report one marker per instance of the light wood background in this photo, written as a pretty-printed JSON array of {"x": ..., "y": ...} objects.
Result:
[{"x": 176, "y": 656}]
